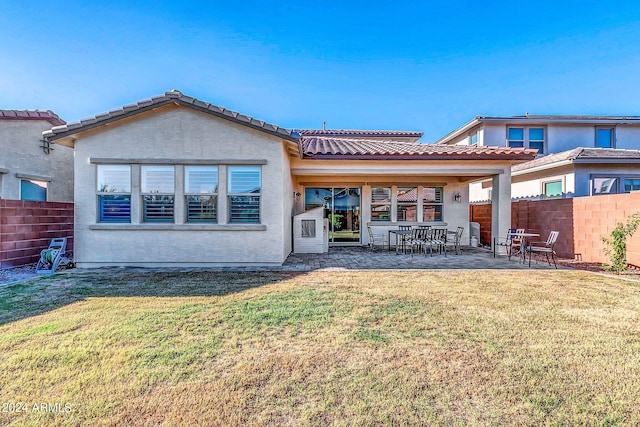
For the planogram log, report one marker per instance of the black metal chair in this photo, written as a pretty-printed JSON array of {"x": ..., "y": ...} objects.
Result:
[{"x": 546, "y": 248}]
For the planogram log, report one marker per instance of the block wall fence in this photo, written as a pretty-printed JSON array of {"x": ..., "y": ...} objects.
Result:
[
  {"x": 581, "y": 221},
  {"x": 27, "y": 227}
]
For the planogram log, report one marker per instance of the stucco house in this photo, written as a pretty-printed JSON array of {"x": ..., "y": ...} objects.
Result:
[
  {"x": 577, "y": 155},
  {"x": 32, "y": 168},
  {"x": 173, "y": 180}
]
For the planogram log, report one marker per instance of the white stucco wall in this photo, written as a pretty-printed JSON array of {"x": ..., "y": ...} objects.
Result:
[
  {"x": 182, "y": 134},
  {"x": 21, "y": 153}
]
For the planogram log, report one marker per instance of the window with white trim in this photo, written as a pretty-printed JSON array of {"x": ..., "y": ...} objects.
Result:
[
  {"x": 114, "y": 193},
  {"x": 526, "y": 137},
  {"x": 552, "y": 189},
  {"x": 473, "y": 139},
  {"x": 201, "y": 193},
  {"x": 157, "y": 186},
  {"x": 381, "y": 204},
  {"x": 432, "y": 202},
  {"x": 244, "y": 189}
]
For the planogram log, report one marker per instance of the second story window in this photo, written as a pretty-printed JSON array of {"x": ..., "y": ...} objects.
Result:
[
  {"x": 526, "y": 137},
  {"x": 605, "y": 138}
]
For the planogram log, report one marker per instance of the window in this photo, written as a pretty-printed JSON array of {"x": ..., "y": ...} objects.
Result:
[
  {"x": 631, "y": 184},
  {"x": 308, "y": 228},
  {"x": 516, "y": 137},
  {"x": 605, "y": 138},
  {"x": 532, "y": 138},
  {"x": 552, "y": 189},
  {"x": 605, "y": 185},
  {"x": 157, "y": 187},
  {"x": 201, "y": 193},
  {"x": 614, "y": 184},
  {"x": 114, "y": 193},
  {"x": 244, "y": 186},
  {"x": 407, "y": 206},
  {"x": 473, "y": 139},
  {"x": 381, "y": 204},
  {"x": 33, "y": 190},
  {"x": 432, "y": 203}
]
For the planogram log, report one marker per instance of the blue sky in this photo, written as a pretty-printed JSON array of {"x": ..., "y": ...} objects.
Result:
[{"x": 427, "y": 66}]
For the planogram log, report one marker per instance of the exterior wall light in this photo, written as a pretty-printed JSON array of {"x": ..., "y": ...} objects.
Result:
[{"x": 457, "y": 197}]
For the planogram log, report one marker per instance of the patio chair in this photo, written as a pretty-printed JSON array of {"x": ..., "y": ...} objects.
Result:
[
  {"x": 546, "y": 248},
  {"x": 453, "y": 240},
  {"x": 437, "y": 239},
  {"x": 508, "y": 242},
  {"x": 403, "y": 238},
  {"x": 418, "y": 238},
  {"x": 376, "y": 239}
]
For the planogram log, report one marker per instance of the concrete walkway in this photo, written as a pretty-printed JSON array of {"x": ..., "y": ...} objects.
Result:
[{"x": 359, "y": 258}]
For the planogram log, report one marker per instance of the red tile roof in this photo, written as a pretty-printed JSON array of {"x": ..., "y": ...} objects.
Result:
[
  {"x": 345, "y": 148},
  {"x": 49, "y": 116},
  {"x": 360, "y": 133}
]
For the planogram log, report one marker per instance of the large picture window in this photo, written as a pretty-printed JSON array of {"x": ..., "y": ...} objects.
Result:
[
  {"x": 432, "y": 202},
  {"x": 114, "y": 193},
  {"x": 614, "y": 184},
  {"x": 201, "y": 193},
  {"x": 381, "y": 204},
  {"x": 244, "y": 188},
  {"x": 157, "y": 187}
]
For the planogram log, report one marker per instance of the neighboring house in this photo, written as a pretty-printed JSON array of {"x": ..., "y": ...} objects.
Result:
[
  {"x": 577, "y": 155},
  {"x": 30, "y": 167},
  {"x": 176, "y": 181}
]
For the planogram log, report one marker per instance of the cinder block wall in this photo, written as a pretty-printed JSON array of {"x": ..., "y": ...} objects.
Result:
[
  {"x": 596, "y": 217},
  {"x": 27, "y": 227},
  {"x": 581, "y": 221}
]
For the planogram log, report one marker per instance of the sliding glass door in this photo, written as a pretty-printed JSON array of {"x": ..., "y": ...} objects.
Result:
[{"x": 341, "y": 207}]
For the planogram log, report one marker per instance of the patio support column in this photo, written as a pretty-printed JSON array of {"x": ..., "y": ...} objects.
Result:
[{"x": 501, "y": 204}]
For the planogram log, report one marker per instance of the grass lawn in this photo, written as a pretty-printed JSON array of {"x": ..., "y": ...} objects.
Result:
[{"x": 341, "y": 348}]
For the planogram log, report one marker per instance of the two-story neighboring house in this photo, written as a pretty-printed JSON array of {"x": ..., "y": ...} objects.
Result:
[
  {"x": 577, "y": 155},
  {"x": 32, "y": 168}
]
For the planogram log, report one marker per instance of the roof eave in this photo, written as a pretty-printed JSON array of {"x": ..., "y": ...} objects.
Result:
[
  {"x": 94, "y": 123},
  {"x": 455, "y": 157},
  {"x": 460, "y": 131}
]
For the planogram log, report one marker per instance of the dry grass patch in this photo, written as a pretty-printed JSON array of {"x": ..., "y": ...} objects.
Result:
[{"x": 341, "y": 348}]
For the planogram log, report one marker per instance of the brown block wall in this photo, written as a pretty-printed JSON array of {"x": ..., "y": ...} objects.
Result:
[
  {"x": 27, "y": 227},
  {"x": 581, "y": 221}
]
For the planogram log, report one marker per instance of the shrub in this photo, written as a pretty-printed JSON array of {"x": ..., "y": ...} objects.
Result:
[{"x": 616, "y": 245}]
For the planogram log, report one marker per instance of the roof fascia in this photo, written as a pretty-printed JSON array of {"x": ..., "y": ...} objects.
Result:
[
  {"x": 460, "y": 131},
  {"x": 93, "y": 123}
]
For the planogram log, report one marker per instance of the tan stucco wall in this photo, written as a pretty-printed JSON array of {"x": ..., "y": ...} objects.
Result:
[
  {"x": 182, "y": 134},
  {"x": 21, "y": 150}
]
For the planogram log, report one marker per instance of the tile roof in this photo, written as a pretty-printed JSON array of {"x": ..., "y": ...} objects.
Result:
[
  {"x": 346, "y": 148},
  {"x": 359, "y": 133},
  {"x": 581, "y": 154},
  {"x": 170, "y": 97},
  {"x": 48, "y": 115}
]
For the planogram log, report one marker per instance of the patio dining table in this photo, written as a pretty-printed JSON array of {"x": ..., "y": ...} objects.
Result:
[
  {"x": 400, "y": 236},
  {"x": 523, "y": 243}
]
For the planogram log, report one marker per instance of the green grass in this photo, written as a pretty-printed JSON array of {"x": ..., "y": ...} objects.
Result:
[{"x": 339, "y": 348}]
